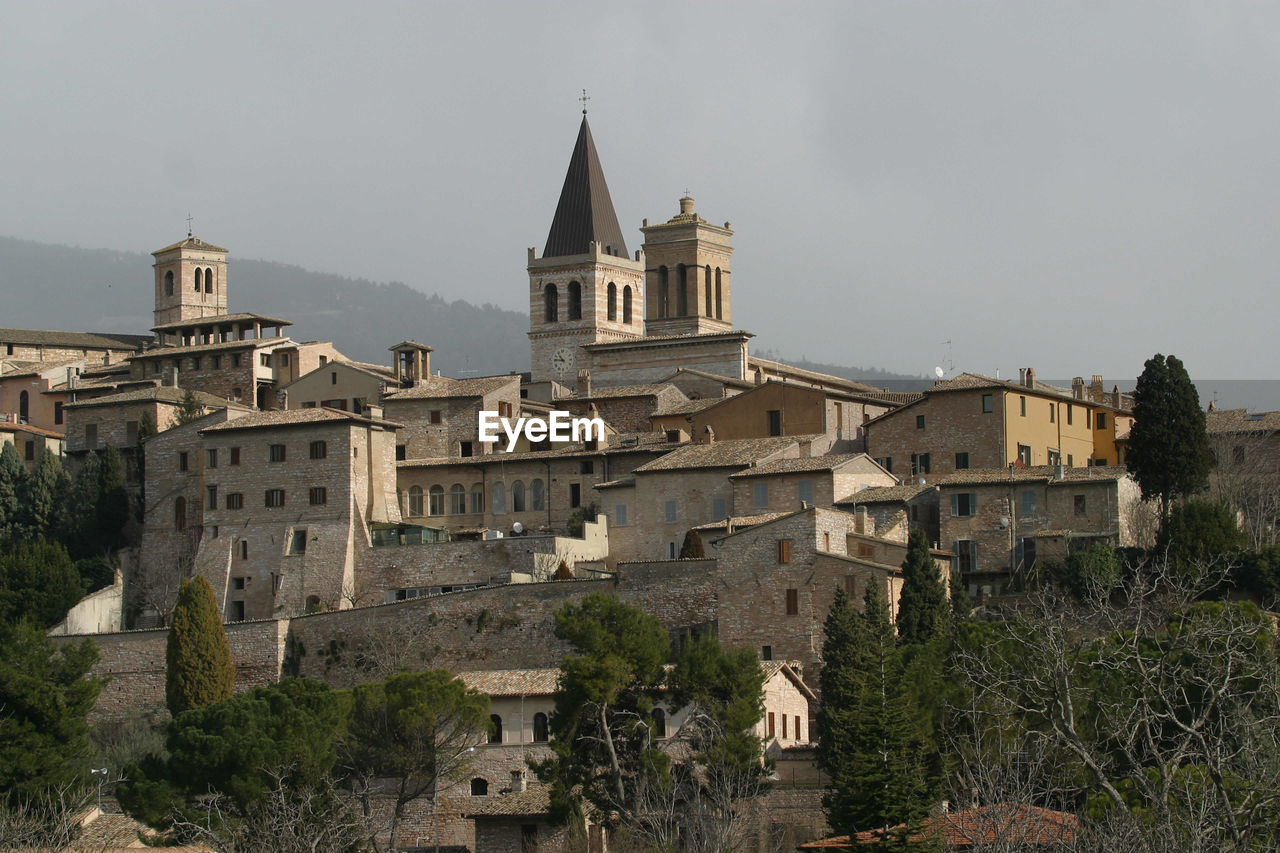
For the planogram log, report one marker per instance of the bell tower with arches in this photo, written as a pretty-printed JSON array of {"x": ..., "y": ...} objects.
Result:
[{"x": 190, "y": 281}]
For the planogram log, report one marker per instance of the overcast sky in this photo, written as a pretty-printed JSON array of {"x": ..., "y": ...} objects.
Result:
[{"x": 1070, "y": 186}]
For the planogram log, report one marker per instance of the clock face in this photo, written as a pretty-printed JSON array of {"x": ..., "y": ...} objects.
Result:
[{"x": 562, "y": 361}]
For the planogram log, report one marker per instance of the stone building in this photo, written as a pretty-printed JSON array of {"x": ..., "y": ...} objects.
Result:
[
  {"x": 31, "y": 441},
  {"x": 892, "y": 512},
  {"x": 787, "y": 484},
  {"x": 441, "y": 416},
  {"x": 348, "y": 386}
]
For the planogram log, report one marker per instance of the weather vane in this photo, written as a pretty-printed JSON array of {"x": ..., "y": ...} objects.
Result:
[
  {"x": 585, "y": 97},
  {"x": 188, "y": 224}
]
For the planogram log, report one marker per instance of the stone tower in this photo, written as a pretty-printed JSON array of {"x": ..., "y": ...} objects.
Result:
[
  {"x": 584, "y": 289},
  {"x": 191, "y": 281},
  {"x": 687, "y": 275}
]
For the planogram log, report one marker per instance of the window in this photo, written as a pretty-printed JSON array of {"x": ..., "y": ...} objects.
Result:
[
  {"x": 537, "y": 495},
  {"x": 211, "y": 458},
  {"x": 1071, "y": 460},
  {"x": 550, "y": 302},
  {"x": 1026, "y": 553},
  {"x": 265, "y": 359},
  {"x": 199, "y": 279},
  {"x": 57, "y": 412},
  {"x": 435, "y": 500},
  {"x": 477, "y": 498},
  {"x": 275, "y": 453},
  {"x": 274, "y": 497},
  {"x": 587, "y": 466},
  {"x": 29, "y": 451},
  {"x": 613, "y": 302},
  {"x": 235, "y": 362},
  {"x": 479, "y": 787},
  {"x": 212, "y": 492},
  {"x": 499, "y": 497},
  {"x": 718, "y": 509},
  {"x": 465, "y": 448},
  {"x": 541, "y": 731},
  {"x": 1024, "y": 454},
  {"x": 457, "y": 499},
  {"x": 771, "y": 724},
  {"x": 784, "y": 726},
  {"x": 91, "y": 437},
  {"x": 1081, "y": 507},
  {"x": 575, "y": 301},
  {"x": 298, "y": 542},
  {"x": 244, "y": 549},
  {"x": 775, "y": 422},
  {"x": 1028, "y": 500},
  {"x": 793, "y": 602},
  {"x": 964, "y": 504},
  {"x": 402, "y": 452},
  {"x": 804, "y": 491},
  {"x": 495, "y": 729},
  {"x": 319, "y": 496},
  {"x": 659, "y": 723},
  {"x": 919, "y": 421},
  {"x": 195, "y": 362},
  {"x": 886, "y": 463},
  {"x": 760, "y": 495},
  {"x": 183, "y": 463},
  {"x": 180, "y": 514},
  {"x": 433, "y": 416},
  {"x": 575, "y": 494},
  {"x": 620, "y": 515},
  {"x": 962, "y": 461},
  {"x": 784, "y": 550},
  {"x": 415, "y": 500},
  {"x": 1054, "y": 457},
  {"x": 797, "y": 735},
  {"x": 626, "y": 304},
  {"x": 966, "y": 551},
  {"x": 988, "y": 404},
  {"x": 237, "y": 583},
  {"x": 319, "y": 449},
  {"x": 168, "y": 286},
  {"x": 237, "y": 611},
  {"x": 235, "y": 456},
  {"x": 1100, "y": 461},
  {"x": 1052, "y": 412},
  {"x": 1070, "y": 414},
  {"x": 1102, "y": 420},
  {"x": 517, "y": 496},
  {"x": 669, "y": 512},
  {"x": 766, "y": 653},
  {"x": 235, "y": 500},
  {"x": 919, "y": 463}
]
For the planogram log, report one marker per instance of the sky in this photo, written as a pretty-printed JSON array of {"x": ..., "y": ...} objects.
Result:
[{"x": 982, "y": 186}]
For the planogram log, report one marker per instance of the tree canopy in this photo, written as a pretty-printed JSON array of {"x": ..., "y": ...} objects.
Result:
[
  {"x": 198, "y": 666},
  {"x": 38, "y": 582},
  {"x": 923, "y": 609},
  {"x": 1168, "y": 445}
]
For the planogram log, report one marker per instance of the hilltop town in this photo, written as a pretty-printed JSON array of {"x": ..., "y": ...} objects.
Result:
[{"x": 352, "y": 519}]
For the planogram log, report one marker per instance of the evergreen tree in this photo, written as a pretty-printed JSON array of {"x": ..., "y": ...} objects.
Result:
[
  {"x": 113, "y": 499},
  {"x": 12, "y": 477},
  {"x": 1168, "y": 445},
  {"x": 38, "y": 583},
  {"x": 922, "y": 607},
  {"x": 43, "y": 499},
  {"x": 199, "y": 670},
  {"x": 691, "y": 549},
  {"x": 190, "y": 408},
  {"x": 81, "y": 535},
  {"x": 146, "y": 429}
]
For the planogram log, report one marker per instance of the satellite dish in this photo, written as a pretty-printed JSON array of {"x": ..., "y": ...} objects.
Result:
[
  {"x": 517, "y": 528},
  {"x": 939, "y": 372}
]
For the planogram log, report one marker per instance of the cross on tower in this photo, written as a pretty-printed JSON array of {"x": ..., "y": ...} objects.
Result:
[
  {"x": 188, "y": 224},
  {"x": 585, "y": 97}
]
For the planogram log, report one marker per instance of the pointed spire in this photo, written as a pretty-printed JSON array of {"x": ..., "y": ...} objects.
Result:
[{"x": 585, "y": 212}]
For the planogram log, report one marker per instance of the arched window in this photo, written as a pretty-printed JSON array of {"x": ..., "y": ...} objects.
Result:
[
  {"x": 457, "y": 499},
  {"x": 199, "y": 278},
  {"x": 613, "y": 301},
  {"x": 479, "y": 787},
  {"x": 435, "y": 500},
  {"x": 517, "y": 496},
  {"x": 682, "y": 291},
  {"x": 551, "y": 300},
  {"x": 24, "y": 407},
  {"x": 575, "y": 301},
  {"x": 180, "y": 514},
  {"x": 495, "y": 730},
  {"x": 415, "y": 500},
  {"x": 663, "y": 295},
  {"x": 477, "y": 498},
  {"x": 707, "y": 288},
  {"x": 626, "y": 304},
  {"x": 208, "y": 280},
  {"x": 541, "y": 732},
  {"x": 168, "y": 283},
  {"x": 719, "y": 313},
  {"x": 536, "y": 495},
  {"x": 498, "y": 496},
  {"x": 659, "y": 723}
]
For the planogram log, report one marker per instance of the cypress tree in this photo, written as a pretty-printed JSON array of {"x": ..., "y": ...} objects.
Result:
[
  {"x": 12, "y": 475},
  {"x": 113, "y": 499},
  {"x": 922, "y": 608},
  {"x": 43, "y": 499},
  {"x": 199, "y": 671},
  {"x": 146, "y": 429},
  {"x": 1168, "y": 444},
  {"x": 82, "y": 517}
]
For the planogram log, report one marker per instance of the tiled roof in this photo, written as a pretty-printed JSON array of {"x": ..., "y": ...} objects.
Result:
[
  {"x": 1031, "y": 474},
  {"x": 972, "y": 381},
  {"x": 177, "y": 352},
  {"x": 31, "y": 368},
  {"x": 740, "y": 522},
  {"x": 686, "y": 407},
  {"x": 444, "y": 387},
  {"x": 158, "y": 393},
  {"x": 736, "y": 453},
  {"x": 533, "y": 802},
  {"x": 1030, "y": 826},
  {"x": 657, "y": 340},
  {"x": 650, "y": 390},
  {"x": 1241, "y": 420},
  {"x": 783, "y": 369},
  {"x": 619, "y": 443},
  {"x": 296, "y": 417},
  {"x": 74, "y": 340},
  {"x": 513, "y": 682},
  {"x": 220, "y": 320},
  {"x": 615, "y": 484},
  {"x": 795, "y": 466},
  {"x": 883, "y": 494},
  {"x": 585, "y": 212},
  {"x": 378, "y": 369},
  {"x": 724, "y": 380},
  {"x": 6, "y": 426},
  {"x": 190, "y": 242}
]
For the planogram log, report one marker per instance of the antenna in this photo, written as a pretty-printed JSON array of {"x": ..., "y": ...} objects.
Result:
[{"x": 951, "y": 365}]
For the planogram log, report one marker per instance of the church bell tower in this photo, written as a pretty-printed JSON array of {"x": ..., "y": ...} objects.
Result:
[{"x": 191, "y": 281}]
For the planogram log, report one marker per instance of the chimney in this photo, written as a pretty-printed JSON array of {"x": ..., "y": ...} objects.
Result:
[
  {"x": 1077, "y": 387},
  {"x": 584, "y": 383},
  {"x": 710, "y": 433},
  {"x": 518, "y": 784},
  {"x": 373, "y": 410},
  {"x": 1115, "y": 396},
  {"x": 425, "y": 372},
  {"x": 1095, "y": 388},
  {"x": 1029, "y": 378}
]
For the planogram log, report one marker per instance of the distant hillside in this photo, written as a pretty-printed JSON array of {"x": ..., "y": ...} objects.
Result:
[{"x": 60, "y": 287}]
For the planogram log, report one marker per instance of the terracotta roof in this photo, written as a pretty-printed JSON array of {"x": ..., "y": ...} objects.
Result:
[
  {"x": 444, "y": 387},
  {"x": 533, "y": 802},
  {"x": 377, "y": 369},
  {"x": 662, "y": 340},
  {"x": 963, "y": 830},
  {"x": 1033, "y": 474},
  {"x": 740, "y": 522},
  {"x": 883, "y": 494},
  {"x": 801, "y": 465},
  {"x": 220, "y": 320},
  {"x": 513, "y": 682},
  {"x": 686, "y": 407},
  {"x": 80, "y": 340},
  {"x": 724, "y": 380},
  {"x": 6, "y": 426},
  {"x": 650, "y": 390},
  {"x": 190, "y": 243},
  {"x": 1230, "y": 421},
  {"x": 585, "y": 212},
  {"x": 782, "y": 368},
  {"x": 156, "y": 393},
  {"x": 735, "y": 453},
  {"x": 411, "y": 345},
  {"x": 177, "y": 352},
  {"x": 791, "y": 671},
  {"x": 296, "y": 417},
  {"x": 31, "y": 368},
  {"x": 618, "y": 443}
]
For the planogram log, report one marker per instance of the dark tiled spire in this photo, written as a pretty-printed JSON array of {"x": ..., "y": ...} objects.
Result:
[{"x": 585, "y": 212}]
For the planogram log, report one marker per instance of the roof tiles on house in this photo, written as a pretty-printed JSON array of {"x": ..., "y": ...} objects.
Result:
[
  {"x": 221, "y": 346},
  {"x": 1232, "y": 421},
  {"x": 73, "y": 340},
  {"x": 444, "y": 387},
  {"x": 296, "y": 417},
  {"x": 221, "y": 320},
  {"x": 798, "y": 466},
  {"x": 1023, "y": 825},
  {"x": 1032, "y": 474},
  {"x": 513, "y": 682},
  {"x": 735, "y": 453},
  {"x": 884, "y": 494},
  {"x": 156, "y": 393}
]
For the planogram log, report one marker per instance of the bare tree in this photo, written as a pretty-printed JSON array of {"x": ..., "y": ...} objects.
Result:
[
  {"x": 50, "y": 823},
  {"x": 1246, "y": 477}
]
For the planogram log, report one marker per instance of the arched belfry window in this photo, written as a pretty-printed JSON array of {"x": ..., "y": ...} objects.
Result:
[
  {"x": 551, "y": 298},
  {"x": 707, "y": 292},
  {"x": 575, "y": 301},
  {"x": 626, "y": 304},
  {"x": 208, "y": 280},
  {"x": 517, "y": 496},
  {"x": 199, "y": 278},
  {"x": 613, "y": 302},
  {"x": 664, "y": 296},
  {"x": 719, "y": 306},
  {"x": 168, "y": 283},
  {"x": 682, "y": 291}
]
